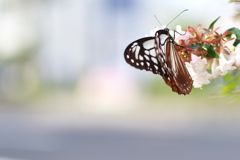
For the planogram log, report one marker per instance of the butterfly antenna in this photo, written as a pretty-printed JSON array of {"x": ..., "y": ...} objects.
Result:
[
  {"x": 177, "y": 16},
  {"x": 157, "y": 20}
]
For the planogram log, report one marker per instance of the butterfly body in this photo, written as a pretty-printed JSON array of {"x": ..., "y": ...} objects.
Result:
[{"x": 158, "y": 55}]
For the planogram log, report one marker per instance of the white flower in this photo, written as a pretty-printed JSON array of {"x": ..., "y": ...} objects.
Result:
[
  {"x": 221, "y": 66},
  {"x": 173, "y": 33},
  {"x": 230, "y": 46},
  {"x": 179, "y": 29},
  {"x": 198, "y": 71},
  {"x": 152, "y": 32},
  {"x": 236, "y": 56},
  {"x": 183, "y": 34}
]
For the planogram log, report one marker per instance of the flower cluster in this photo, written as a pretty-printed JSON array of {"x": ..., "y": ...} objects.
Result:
[{"x": 207, "y": 53}]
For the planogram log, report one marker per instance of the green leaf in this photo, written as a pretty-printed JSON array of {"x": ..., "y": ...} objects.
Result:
[
  {"x": 235, "y": 31},
  {"x": 195, "y": 45},
  {"x": 212, "y": 24},
  {"x": 210, "y": 51},
  {"x": 236, "y": 42},
  {"x": 229, "y": 35}
]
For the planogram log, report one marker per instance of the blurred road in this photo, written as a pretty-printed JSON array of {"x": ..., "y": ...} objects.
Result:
[{"x": 30, "y": 136}]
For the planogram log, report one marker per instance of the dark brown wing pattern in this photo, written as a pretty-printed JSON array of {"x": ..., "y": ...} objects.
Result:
[
  {"x": 160, "y": 57},
  {"x": 179, "y": 78},
  {"x": 141, "y": 54}
]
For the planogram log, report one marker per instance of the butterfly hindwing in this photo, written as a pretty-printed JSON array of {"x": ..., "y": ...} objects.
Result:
[
  {"x": 177, "y": 75},
  {"x": 179, "y": 78}
]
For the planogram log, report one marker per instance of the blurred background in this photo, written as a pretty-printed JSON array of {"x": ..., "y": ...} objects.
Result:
[{"x": 66, "y": 91}]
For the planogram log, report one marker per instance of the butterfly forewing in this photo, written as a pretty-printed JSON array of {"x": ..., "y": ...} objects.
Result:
[{"x": 141, "y": 54}]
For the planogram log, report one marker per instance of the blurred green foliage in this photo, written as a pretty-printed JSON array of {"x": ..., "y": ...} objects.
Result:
[{"x": 231, "y": 86}]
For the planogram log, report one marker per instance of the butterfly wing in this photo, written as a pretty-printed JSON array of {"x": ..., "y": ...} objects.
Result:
[
  {"x": 178, "y": 77},
  {"x": 141, "y": 54},
  {"x": 158, "y": 55}
]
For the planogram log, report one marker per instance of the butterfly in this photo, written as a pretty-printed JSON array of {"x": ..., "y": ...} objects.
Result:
[{"x": 158, "y": 55}]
